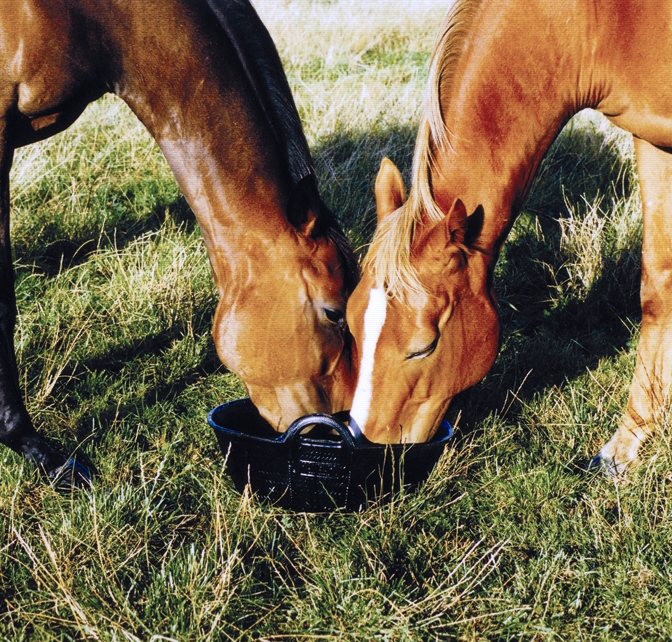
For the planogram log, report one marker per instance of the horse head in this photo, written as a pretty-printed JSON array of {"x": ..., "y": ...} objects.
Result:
[
  {"x": 418, "y": 347},
  {"x": 280, "y": 324}
]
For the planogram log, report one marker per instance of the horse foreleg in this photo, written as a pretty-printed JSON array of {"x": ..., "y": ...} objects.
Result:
[
  {"x": 16, "y": 428},
  {"x": 649, "y": 399}
]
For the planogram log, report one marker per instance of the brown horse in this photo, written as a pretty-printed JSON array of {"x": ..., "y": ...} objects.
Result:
[
  {"x": 205, "y": 79},
  {"x": 505, "y": 78}
]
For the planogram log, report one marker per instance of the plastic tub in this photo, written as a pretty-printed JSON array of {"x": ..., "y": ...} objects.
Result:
[{"x": 320, "y": 463}]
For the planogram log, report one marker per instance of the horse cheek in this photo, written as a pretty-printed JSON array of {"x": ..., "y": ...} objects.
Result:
[{"x": 484, "y": 342}]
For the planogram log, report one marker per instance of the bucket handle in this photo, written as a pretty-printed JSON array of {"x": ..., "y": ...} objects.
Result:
[{"x": 351, "y": 434}]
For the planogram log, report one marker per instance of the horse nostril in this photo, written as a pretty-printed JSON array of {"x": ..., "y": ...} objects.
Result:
[{"x": 337, "y": 317}]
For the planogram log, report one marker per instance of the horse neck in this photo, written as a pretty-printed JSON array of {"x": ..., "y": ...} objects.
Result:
[
  {"x": 211, "y": 130},
  {"x": 514, "y": 88}
]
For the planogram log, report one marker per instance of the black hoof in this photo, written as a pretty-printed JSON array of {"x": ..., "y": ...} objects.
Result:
[
  {"x": 592, "y": 465},
  {"x": 71, "y": 475},
  {"x": 63, "y": 473},
  {"x": 608, "y": 467}
]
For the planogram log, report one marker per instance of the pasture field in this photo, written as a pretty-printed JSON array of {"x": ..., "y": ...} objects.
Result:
[{"x": 507, "y": 540}]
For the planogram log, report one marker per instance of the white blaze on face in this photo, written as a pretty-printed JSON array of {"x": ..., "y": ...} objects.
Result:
[{"x": 374, "y": 319}]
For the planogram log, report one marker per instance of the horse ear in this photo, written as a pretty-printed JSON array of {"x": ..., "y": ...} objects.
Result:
[
  {"x": 307, "y": 227},
  {"x": 389, "y": 190},
  {"x": 452, "y": 229},
  {"x": 457, "y": 221},
  {"x": 303, "y": 207}
]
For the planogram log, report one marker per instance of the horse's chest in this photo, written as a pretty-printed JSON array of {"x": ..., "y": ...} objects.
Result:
[{"x": 41, "y": 57}]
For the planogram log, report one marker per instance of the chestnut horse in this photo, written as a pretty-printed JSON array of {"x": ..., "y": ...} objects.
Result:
[
  {"x": 505, "y": 78},
  {"x": 205, "y": 78}
]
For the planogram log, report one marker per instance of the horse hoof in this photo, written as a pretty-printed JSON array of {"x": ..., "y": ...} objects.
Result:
[
  {"x": 71, "y": 475},
  {"x": 593, "y": 464},
  {"x": 608, "y": 466}
]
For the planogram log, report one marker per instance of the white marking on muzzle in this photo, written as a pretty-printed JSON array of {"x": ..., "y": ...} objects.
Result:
[{"x": 374, "y": 320}]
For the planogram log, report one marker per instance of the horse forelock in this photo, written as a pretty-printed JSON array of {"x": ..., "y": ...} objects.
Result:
[{"x": 390, "y": 255}]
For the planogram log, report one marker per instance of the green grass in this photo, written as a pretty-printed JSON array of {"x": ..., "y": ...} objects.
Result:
[{"x": 507, "y": 540}]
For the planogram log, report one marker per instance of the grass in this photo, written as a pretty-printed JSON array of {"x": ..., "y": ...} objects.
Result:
[{"x": 507, "y": 540}]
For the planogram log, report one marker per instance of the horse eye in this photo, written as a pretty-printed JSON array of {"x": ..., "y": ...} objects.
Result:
[
  {"x": 421, "y": 354},
  {"x": 337, "y": 317}
]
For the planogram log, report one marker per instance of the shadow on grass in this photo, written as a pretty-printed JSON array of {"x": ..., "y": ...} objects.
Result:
[
  {"x": 53, "y": 253},
  {"x": 543, "y": 348},
  {"x": 347, "y": 163},
  {"x": 163, "y": 392},
  {"x": 124, "y": 361}
]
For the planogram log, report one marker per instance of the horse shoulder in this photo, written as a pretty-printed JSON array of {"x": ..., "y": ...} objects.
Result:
[{"x": 47, "y": 69}]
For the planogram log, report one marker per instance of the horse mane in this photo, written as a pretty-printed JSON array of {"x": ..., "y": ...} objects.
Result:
[
  {"x": 389, "y": 255},
  {"x": 263, "y": 68}
]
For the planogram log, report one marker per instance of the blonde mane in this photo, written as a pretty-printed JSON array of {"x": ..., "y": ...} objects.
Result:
[{"x": 389, "y": 256}]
